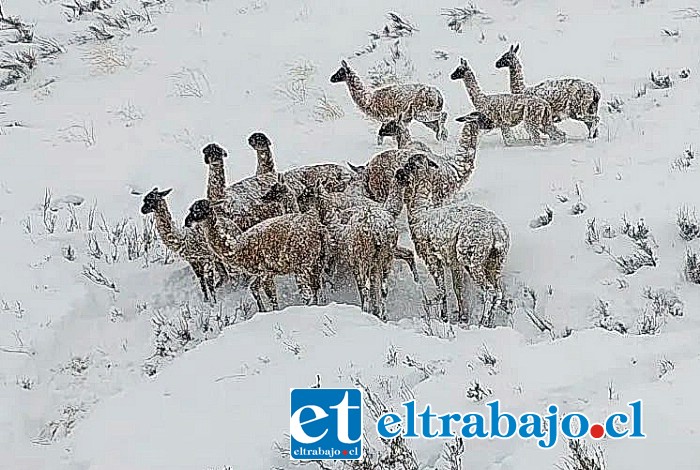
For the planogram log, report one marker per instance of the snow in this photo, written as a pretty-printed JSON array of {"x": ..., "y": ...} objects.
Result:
[{"x": 68, "y": 342}]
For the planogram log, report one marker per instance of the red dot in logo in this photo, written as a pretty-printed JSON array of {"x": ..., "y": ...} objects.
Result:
[
  {"x": 345, "y": 452},
  {"x": 597, "y": 431}
]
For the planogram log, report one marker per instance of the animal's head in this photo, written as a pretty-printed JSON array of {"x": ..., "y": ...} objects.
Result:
[
  {"x": 277, "y": 193},
  {"x": 309, "y": 196},
  {"x": 478, "y": 120},
  {"x": 200, "y": 210},
  {"x": 342, "y": 74},
  {"x": 461, "y": 71},
  {"x": 152, "y": 199},
  {"x": 213, "y": 152},
  {"x": 508, "y": 59},
  {"x": 403, "y": 177},
  {"x": 420, "y": 161},
  {"x": 259, "y": 141}
]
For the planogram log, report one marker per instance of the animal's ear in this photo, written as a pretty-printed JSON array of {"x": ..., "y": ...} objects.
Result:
[
  {"x": 463, "y": 61},
  {"x": 344, "y": 64},
  {"x": 165, "y": 193},
  {"x": 517, "y": 48},
  {"x": 359, "y": 169}
]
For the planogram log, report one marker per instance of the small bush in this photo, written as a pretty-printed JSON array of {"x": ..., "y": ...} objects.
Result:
[{"x": 581, "y": 456}]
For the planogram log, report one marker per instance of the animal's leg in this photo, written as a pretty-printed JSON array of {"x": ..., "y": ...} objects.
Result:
[
  {"x": 507, "y": 133},
  {"x": 457, "y": 285},
  {"x": 255, "y": 289},
  {"x": 478, "y": 273},
  {"x": 407, "y": 255},
  {"x": 210, "y": 275},
  {"x": 362, "y": 281},
  {"x": 268, "y": 285},
  {"x": 198, "y": 270},
  {"x": 438, "y": 273},
  {"x": 380, "y": 138},
  {"x": 592, "y": 124},
  {"x": 533, "y": 132},
  {"x": 303, "y": 281},
  {"x": 222, "y": 272},
  {"x": 315, "y": 284}
]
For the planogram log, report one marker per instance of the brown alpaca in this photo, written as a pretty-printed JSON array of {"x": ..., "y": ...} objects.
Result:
[
  {"x": 291, "y": 244},
  {"x": 509, "y": 110},
  {"x": 417, "y": 101},
  {"x": 571, "y": 98},
  {"x": 465, "y": 238},
  {"x": 188, "y": 244}
]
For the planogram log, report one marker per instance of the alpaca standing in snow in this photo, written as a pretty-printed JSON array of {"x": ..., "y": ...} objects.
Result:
[
  {"x": 189, "y": 244},
  {"x": 508, "y": 110},
  {"x": 571, "y": 98},
  {"x": 425, "y": 102},
  {"x": 293, "y": 244},
  {"x": 364, "y": 237},
  {"x": 459, "y": 236},
  {"x": 455, "y": 172},
  {"x": 334, "y": 177}
]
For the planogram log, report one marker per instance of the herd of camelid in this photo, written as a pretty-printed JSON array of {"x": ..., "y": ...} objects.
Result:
[{"x": 309, "y": 221}]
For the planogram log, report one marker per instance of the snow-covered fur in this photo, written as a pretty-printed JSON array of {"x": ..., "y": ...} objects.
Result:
[
  {"x": 333, "y": 177},
  {"x": 189, "y": 244},
  {"x": 242, "y": 201},
  {"x": 463, "y": 237},
  {"x": 364, "y": 237},
  {"x": 418, "y": 101},
  {"x": 291, "y": 244},
  {"x": 508, "y": 110},
  {"x": 454, "y": 171},
  {"x": 569, "y": 98}
]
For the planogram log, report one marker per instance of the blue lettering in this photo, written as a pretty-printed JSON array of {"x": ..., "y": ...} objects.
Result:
[
  {"x": 385, "y": 421},
  {"x": 582, "y": 428},
  {"x": 637, "y": 419},
  {"x": 496, "y": 422},
  {"x": 473, "y": 429}
]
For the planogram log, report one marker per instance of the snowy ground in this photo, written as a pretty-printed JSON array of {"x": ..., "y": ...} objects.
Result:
[{"x": 80, "y": 387}]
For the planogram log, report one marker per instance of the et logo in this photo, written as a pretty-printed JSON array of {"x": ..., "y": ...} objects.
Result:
[{"x": 325, "y": 424}]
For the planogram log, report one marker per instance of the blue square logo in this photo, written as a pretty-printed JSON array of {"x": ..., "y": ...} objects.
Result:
[{"x": 326, "y": 424}]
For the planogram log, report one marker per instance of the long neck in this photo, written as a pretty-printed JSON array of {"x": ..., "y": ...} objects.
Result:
[
  {"x": 463, "y": 162},
  {"x": 417, "y": 201},
  {"x": 394, "y": 200},
  {"x": 357, "y": 90},
  {"x": 403, "y": 138},
  {"x": 517, "y": 81},
  {"x": 221, "y": 237},
  {"x": 474, "y": 90},
  {"x": 216, "y": 184},
  {"x": 266, "y": 164},
  {"x": 164, "y": 224}
]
